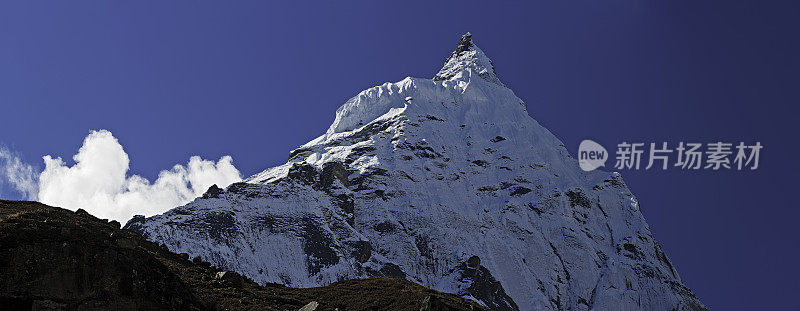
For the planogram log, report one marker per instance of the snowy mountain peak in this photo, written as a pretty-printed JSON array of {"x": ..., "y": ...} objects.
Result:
[
  {"x": 467, "y": 59},
  {"x": 447, "y": 182}
]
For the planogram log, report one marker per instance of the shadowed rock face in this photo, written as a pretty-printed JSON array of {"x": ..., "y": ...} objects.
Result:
[
  {"x": 482, "y": 285},
  {"x": 54, "y": 259}
]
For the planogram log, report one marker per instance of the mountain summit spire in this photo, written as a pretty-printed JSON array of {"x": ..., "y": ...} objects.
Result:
[{"x": 467, "y": 59}]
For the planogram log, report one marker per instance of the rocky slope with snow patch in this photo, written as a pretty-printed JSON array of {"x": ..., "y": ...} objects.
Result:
[
  {"x": 447, "y": 182},
  {"x": 55, "y": 259}
]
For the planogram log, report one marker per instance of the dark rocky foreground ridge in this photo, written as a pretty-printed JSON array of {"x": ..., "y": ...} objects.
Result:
[{"x": 55, "y": 259}]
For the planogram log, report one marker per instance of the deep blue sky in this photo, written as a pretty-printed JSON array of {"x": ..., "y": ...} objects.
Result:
[{"x": 254, "y": 80}]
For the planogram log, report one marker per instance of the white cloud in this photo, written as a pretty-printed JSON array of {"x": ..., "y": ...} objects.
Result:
[
  {"x": 99, "y": 184},
  {"x": 20, "y": 175}
]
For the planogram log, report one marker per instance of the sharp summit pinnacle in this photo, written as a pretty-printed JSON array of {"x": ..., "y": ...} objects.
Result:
[{"x": 467, "y": 59}]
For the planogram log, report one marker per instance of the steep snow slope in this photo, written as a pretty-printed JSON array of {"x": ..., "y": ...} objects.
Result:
[{"x": 448, "y": 183}]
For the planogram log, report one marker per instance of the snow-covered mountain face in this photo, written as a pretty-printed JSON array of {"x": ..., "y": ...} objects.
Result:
[{"x": 447, "y": 182}]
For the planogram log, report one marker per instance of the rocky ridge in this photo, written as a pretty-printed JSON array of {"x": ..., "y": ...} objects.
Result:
[{"x": 55, "y": 259}]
